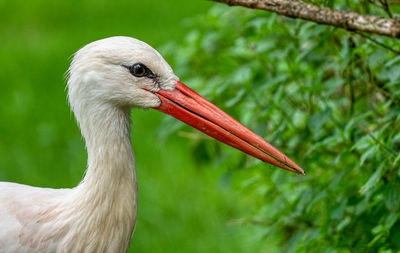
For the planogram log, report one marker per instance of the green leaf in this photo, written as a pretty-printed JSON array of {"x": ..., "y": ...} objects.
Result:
[
  {"x": 372, "y": 181},
  {"x": 369, "y": 153},
  {"x": 392, "y": 196},
  {"x": 343, "y": 224},
  {"x": 319, "y": 119}
]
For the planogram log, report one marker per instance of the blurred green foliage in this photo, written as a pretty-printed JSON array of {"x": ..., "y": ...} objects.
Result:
[{"x": 329, "y": 99}]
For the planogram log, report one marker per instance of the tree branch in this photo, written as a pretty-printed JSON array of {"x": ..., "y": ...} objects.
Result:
[{"x": 348, "y": 20}]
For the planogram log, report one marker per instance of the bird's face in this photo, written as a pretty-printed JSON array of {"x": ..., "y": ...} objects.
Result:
[{"x": 121, "y": 72}]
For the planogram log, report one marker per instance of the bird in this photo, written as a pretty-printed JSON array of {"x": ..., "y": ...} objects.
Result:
[{"x": 106, "y": 79}]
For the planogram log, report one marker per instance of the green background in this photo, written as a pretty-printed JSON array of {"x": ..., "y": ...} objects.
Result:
[{"x": 182, "y": 207}]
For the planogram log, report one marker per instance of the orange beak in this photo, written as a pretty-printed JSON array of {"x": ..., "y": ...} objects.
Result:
[{"x": 188, "y": 106}]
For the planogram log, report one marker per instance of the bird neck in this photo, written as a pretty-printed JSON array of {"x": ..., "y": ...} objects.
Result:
[
  {"x": 111, "y": 161},
  {"x": 107, "y": 195}
]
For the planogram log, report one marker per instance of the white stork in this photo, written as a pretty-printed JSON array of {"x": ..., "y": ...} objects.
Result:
[{"x": 106, "y": 79}]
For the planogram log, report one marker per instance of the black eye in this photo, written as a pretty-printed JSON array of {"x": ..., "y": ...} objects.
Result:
[{"x": 139, "y": 70}]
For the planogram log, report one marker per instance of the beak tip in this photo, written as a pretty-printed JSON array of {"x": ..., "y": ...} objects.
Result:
[
  {"x": 300, "y": 171},
  {"x": 296, "y": 168}
]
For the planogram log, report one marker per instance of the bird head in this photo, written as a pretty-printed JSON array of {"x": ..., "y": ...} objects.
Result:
[
  {"x": 119, "y": 71},
  {"x": 122, "y": 72}
]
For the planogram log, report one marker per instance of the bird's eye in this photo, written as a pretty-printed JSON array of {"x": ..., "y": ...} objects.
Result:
[{"x": 139, "y": 70}]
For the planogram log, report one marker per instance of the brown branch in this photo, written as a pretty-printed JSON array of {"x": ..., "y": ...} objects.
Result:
[{"x": 348, "y": 20}]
